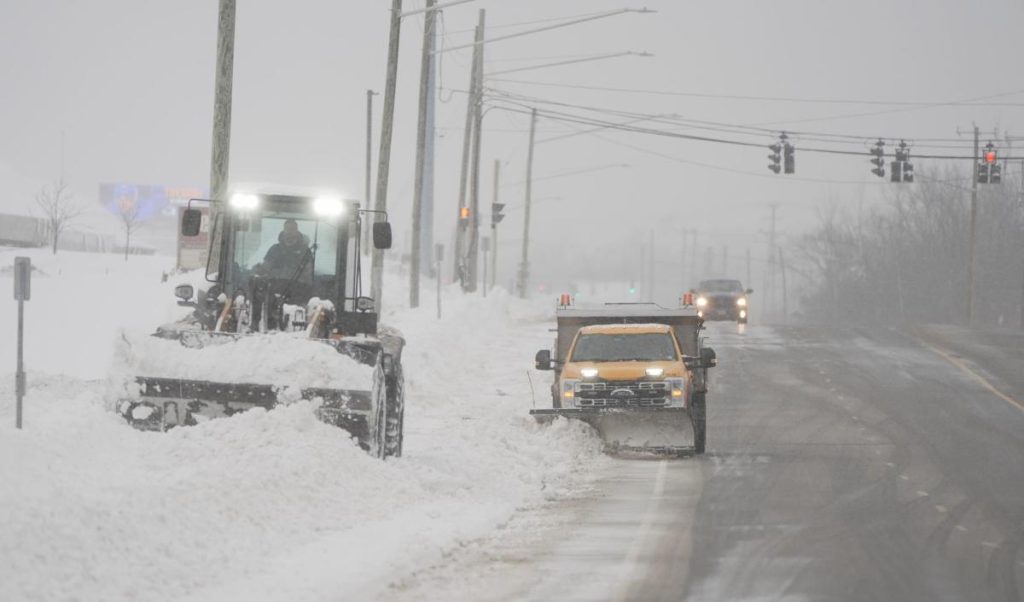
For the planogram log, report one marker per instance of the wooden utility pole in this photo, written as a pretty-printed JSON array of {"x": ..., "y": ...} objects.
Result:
[
  {"x": 748, "y": 281},
  {"x": 472, "y": 263},
  {"x": 221, "y": 150},
  {"x": 367, "y": 200},
  {"x": 461, "y": 225},
  {"x": 524, "y": 263},
  {"x": 421, "y": 145},
  {"x": 974, "y": 224},
  {"x": 384, "y": 157},
  {"x": 785, "y": 304}
]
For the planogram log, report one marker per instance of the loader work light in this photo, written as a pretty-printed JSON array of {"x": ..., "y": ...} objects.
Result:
[
  {"x": 702, "y": 301},
  {"x": 588, "y": 372},
  {"x": 654, "y": 371},
  {"x": 244, "y": 202},
  {"x": 328, "y": 207}
]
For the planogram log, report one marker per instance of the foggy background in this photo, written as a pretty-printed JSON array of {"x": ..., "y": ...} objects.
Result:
[{"x": 122, "y": 91}]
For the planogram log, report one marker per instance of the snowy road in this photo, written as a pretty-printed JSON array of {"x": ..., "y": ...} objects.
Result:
[{"x": 852, "y": 464}]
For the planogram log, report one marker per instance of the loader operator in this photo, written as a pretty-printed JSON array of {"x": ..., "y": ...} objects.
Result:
[{"x": 284, "y": 258}]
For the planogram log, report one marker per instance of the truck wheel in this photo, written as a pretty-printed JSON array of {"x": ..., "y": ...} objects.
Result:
[
  {"x": 698, "y": 414},
  {"x": 395, "y": 421}
]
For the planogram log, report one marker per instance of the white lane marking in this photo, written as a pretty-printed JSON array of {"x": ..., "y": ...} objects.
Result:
[
  {"x": 629, "y": 561},
  {"x": 967, "y": 370}
]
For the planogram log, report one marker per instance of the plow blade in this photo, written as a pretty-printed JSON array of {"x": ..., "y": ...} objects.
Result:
[
  {"x": 646, "y": 430},
  {"x": 164, "y": 403}
]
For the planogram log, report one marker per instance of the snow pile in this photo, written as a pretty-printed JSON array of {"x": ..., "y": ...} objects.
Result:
[
  {"x": 266, "y": 505},
  {"x": 286, "y": 359}
]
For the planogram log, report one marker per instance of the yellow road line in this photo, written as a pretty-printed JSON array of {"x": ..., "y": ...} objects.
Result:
[{"x": 949, "y": 357}]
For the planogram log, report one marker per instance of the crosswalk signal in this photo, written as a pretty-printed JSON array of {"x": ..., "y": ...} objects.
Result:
[
  {"x": 878, "y": 159},
  {"x": 775, "y": 158},
  {"x": 496, "y": 214}
]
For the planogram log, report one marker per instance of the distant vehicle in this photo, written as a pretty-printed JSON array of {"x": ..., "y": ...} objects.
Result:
[
  {"x": 723, "y": 299},
  {"x": 635, "y": 372}
]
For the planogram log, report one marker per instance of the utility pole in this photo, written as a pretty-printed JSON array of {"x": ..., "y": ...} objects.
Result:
[
  {"x": 524, "y": 264},
  {"x": 650, "y": 269},
  {"x": 467, "y": 140},
  {"x": 748, "y": 281},
  {"x": 421, "y": 142},
  {"x": 725, "y": 260},
  {"x": 693, "y": 254},
  {"x": 682, "y": 263},
  {"x": 494, "y": 228},
  {"x": 486, "y": 244},
  {"x": 785, "y": 305},
  {"x": 974, "y": 224},
  {"x": 367, "y": 242},
  {"x": 219, "y": 158},
  {"x": 384, "y": 158},
  {"x": 472, "y": 263}
]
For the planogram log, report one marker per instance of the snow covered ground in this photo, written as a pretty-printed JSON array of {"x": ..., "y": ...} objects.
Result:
[{"x": 264, "y": 505}]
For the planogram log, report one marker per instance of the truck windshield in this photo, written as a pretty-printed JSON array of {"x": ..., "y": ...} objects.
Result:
[{"x": 647, "y": 347}]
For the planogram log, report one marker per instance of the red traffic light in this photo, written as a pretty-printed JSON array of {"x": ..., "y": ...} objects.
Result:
[
  {"x": 990, "y": 157},
  {"x": 464, "y": 213}
]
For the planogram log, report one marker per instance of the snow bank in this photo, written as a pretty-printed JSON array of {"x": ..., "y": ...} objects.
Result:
[
  {"x": 286, "y": 359},
  {"x": 268, "y": 505}
]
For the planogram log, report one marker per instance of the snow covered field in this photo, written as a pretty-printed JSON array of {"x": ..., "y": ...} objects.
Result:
[{"x": 264, "y": 505}]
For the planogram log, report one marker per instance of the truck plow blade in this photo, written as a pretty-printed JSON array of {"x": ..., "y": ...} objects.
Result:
[
  {"x": 164, "y": 403},
  {"x": 648, "y": 430}
]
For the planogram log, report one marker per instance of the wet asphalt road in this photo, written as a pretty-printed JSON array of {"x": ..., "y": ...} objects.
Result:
[{"x": 843, "y": 464}]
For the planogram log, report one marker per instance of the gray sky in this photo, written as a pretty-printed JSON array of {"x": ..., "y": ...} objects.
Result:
[{"x": 130, "y": 85}]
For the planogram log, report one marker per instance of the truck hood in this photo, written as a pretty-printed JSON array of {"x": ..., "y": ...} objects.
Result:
[{"x": 624, "y": 370}]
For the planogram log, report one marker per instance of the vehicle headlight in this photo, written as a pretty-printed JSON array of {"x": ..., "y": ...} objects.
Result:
[
  {"x": 678, "y": 387},
  {"x": 588, "y": 372},
  {"x": 654, "y": 371},
  {"x": 328, "y": 207},
  {"x": 244, "y": 202},
  {"x": 569, "y": 388},
  {"x": 702, "y": 301},
  {"x": 741, "y": 302}
]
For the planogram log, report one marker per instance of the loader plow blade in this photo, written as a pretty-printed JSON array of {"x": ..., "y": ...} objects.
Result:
[{"x": 644, "y": 430}]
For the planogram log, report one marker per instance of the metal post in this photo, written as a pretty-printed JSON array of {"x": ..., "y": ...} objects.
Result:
[
  {"x": 494, "y": 229},
  {"x": 486, "y": 244},
  {"x": 384, "y": 157},
  {"x": 524, "y": 264},
  {"x": 438, "y": 258},
  {"x": 472, "y": 265},
  {"x": 367, "y": 200},
  {"x": 971, "y": 244},
  {"x": 785, "y": 305},
  {"x": 19, "y": 376},
  {"x": 421, "y": 141}
]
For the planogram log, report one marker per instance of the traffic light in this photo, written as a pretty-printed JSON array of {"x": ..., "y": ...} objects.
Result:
[
  {"x": 995, "y": 175},
  {"x": 775, "y": 157},
  {"x": 878, "y": 159},
  {"x": 902, "y": 168},
  {"x": 496, "y": 214},
  {"x": 989, "y": 170},
  {"x": 982, "y": 173},
  {"x": 788, "y": 161},
  {"x": 463, "y": 213}
]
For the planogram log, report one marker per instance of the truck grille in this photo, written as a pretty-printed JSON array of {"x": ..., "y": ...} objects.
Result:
[{"x": 628, "y": 394}]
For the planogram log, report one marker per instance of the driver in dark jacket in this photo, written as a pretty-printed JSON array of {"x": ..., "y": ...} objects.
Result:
[{"x": 291, "y": 251}]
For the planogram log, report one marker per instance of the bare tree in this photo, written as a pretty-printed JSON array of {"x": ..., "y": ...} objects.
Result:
[
  {"x": 128, "y": 211},
  {"x": 60, "y": 208}
]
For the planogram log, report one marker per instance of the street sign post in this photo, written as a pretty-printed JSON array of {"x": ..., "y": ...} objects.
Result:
[
  {"x": 438, "y": 258},
  {"x": 22, "y": 293}
]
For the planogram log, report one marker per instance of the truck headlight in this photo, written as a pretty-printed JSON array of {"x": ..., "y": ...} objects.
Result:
[
  {"x": 569, "y": 388},
  {"x": 741, "y": 302},
  {"x": 677, "y": 386},
  {"x": 654, "y": 371},
  {"x": 588, "y": 372},
  {"x": 702, "y": 301}
]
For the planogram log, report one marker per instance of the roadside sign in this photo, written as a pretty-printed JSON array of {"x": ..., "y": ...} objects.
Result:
[{"x": 22, "y": 278}]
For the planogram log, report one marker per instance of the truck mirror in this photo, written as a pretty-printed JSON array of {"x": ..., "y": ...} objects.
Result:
[
  {"x": 708, "y": 357},
  {"x": 191, "y": 220},
  {"x": 382, "y": 235},
  {"x": 543, "y": 359},
  {"x": 183, "y": 291}
]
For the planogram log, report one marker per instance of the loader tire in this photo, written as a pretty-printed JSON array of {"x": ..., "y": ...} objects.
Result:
[
  {"x": 698, "y": 415},
  {"x": 395, "y": 422}
]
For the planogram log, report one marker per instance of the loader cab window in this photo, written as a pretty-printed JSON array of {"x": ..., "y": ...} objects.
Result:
[
  {"x": 647, "y": 347},
  {"x": 285, "y": 245},
  {"x": 721, "y": 286}
]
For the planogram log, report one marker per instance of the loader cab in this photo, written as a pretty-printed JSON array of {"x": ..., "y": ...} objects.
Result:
[{"x": 306, "y": 247}]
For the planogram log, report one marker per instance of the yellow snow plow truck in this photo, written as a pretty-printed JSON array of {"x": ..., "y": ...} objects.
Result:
[{"x": 636, "y": 372}]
